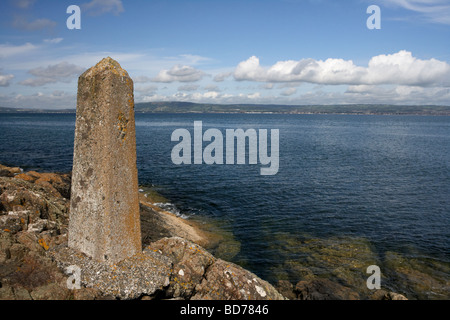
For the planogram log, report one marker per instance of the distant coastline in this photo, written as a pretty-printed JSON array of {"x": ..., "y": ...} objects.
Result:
[{"x": 189, "y": 107}]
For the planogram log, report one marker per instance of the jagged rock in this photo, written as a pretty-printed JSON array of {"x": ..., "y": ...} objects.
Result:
[
  {"x": 382, "y": 294},
  {"x": 87, "y": 294},
  {"x": 286, "y": 289},
  {"x": 6, "y": 293},
  {"x": 190, "y": 262},
  {"x": 11, "y": 223},
  {"x": 6, "y": 241},
  {"x": 324, "y": 289},
  {"x": 395, "y": 296},
  {"x": 22, "y": 294},
  {"x": 52, "y": 291},
  {"x": 27, "y": 203},
  {"x": 8, "y": 171},
  {"x": 227, "y": 281}
]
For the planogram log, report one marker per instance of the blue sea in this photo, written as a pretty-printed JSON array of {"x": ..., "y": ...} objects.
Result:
[{"x": 351, "y": 191}]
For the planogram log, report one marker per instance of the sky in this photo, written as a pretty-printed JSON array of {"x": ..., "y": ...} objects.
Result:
[{"x": 296, "y": 52}]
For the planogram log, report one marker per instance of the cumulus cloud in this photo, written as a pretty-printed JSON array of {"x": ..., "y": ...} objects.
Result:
[
  {"x": 268, "y": 86},
  {"x": 188, "y": 87},
  {"x": 99, "y": 7},
  {"x": 212, "y": 87},
  {"x": 5, "y": 79},
  {"x": 206, "y": 97},
  {"x": 289, "y": 92},
  {"x": 61, "y": 72},
  {"x": 7, "y": 50},
  {"x": 23, "y": 4},
  {"x": 437, "y": 11},
  {"x": 141, "y": 79},
  {"x": 399, "y": 68},
  {"x": 146, "y": 89},
  {"x": 399, "y": 95},
  {"x": 54, "y": 40},
  {"x": 179, "y": 73},
  {"x": 39, "y": 100},
  {"x": 22, "y": 23},
  {"x": 222, "y": 76}
]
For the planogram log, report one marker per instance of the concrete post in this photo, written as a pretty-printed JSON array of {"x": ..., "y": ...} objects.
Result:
[{"x": 104, "y": 211}]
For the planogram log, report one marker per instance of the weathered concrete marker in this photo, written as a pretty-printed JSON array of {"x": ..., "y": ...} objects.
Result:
[{"x": 104, "y": 211}]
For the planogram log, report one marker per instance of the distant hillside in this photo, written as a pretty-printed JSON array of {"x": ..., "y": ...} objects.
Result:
[
  {"x": 189, "y": 107},
  {"x": 23, "y": 110}
]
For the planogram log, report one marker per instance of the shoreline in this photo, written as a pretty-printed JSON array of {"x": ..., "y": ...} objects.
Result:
[
  {"x": 34, "y": 253},
  {"x": 412, "y": 114},
  {"x": 183, "y": 228},
  {"x": 34, "y": 217}
]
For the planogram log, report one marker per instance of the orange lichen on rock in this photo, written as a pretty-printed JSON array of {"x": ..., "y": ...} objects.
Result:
[{"x": 43, "y": 244}]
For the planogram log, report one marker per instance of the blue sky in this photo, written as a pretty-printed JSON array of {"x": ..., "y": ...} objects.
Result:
[{"x": 247, "y": 51}]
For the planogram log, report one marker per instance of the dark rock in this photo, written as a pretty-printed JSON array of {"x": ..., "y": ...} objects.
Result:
[
  {"x": 286, "y": 289},
  {"x": 8, "y": 171},
  {"x": 87, "y": 294},
  {"x": 190, "y": 262},
  {"x": 227, "y": 281},
  {"x": 152, "y": 226},
  {"x": 324, "y": 289},
  {"x": 25, "y": 203},
  {"x": 394, "y": 296},
  {"x": 7, "y": 293},
  {"x": 52, "y": 291}
]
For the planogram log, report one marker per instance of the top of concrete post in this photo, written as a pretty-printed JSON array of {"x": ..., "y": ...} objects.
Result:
[{"x": 105, "y": 65}]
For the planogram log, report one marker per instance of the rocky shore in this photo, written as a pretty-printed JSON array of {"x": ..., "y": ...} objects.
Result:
[{"x": 34, "y": 213}]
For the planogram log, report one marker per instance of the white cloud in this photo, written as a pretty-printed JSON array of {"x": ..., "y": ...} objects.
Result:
[
  {"x": 212, "y": 87},
  {"x": 252, "y": 96},
  {"x": 399, "y": 68},
  {"x": 99, "y": 7},
  {"x": 437, "y": 11},
  {"x": 179, "y": 73},
  {"x": 54, "y": 100},
  {"x": 289, "y": 92},
  {"x": 24, "y": 4},
  {"x": 22, "y": 23},
  {"x": 53, "y": 41},
  {"x": 5, "y": 79},
  {"x": 268, "y": 86},
  {"x": 222, "y": 76},
  {"x": 145, "y": 90},
  {"x": 141, "y": 79},
  {"x": 188, "y": 87},
  {"x": 7, "y": 50},
  {"x": 62, "y": 71}
]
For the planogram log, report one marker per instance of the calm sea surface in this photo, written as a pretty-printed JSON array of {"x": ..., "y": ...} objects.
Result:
[{"x": 351, "y": 191}]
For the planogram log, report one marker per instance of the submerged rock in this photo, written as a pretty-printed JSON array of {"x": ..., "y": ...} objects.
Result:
[
  {"x": 426, "y": 278},
  {"x": 323, "y": 289},
  {"x": 342, "y": 260}
]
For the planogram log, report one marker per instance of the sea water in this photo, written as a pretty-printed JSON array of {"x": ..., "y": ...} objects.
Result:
[{"x": 351, "y": 191}]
